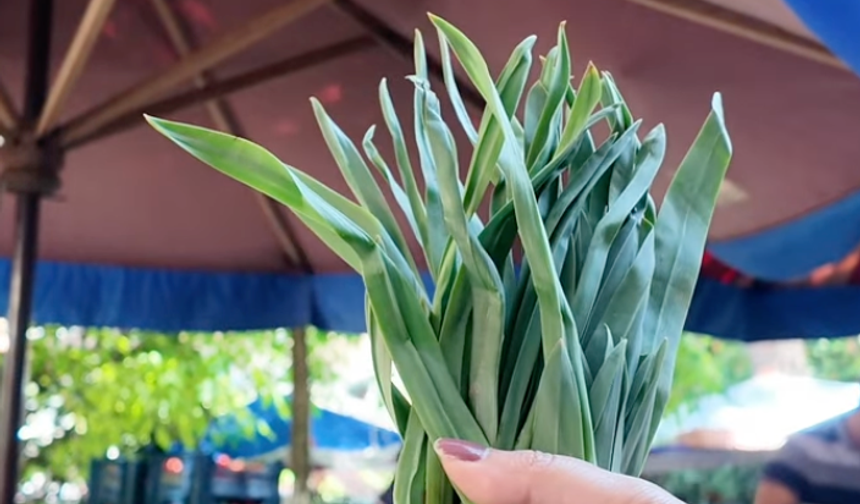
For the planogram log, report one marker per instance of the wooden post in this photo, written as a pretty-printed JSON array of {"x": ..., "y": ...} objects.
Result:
[{"x": 300, "y": 461}]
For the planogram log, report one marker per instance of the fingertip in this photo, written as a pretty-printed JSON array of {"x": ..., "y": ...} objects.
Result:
[
  {"x": 480, "y": 473},
  {"x": 460, "y": 451}
]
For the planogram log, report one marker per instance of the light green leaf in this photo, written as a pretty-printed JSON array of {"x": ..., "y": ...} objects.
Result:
[
  {"x": 559, "y": 423},
  {"x": 407, "y": 176},
  {"x": 396, "y": 189},
  {"x": 360, "y": 179},
  {"x": 488, "y": 313},
  {"x": 261, "y": 170},
  {"x": 648, "y": 162},
  {"x": 488, "y": 149},
  {"x": 680, "y": 234},
  {"x": 409, "y": 480},
  {"x": 450, "y": 78},
  {"x": 397, "y": 406},
  {"x": 414, "y": 347},
  {"x": 588, "y": 98}
]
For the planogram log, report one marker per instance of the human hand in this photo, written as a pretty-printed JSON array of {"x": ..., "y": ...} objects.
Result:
[{"x": 525, "y": 477}]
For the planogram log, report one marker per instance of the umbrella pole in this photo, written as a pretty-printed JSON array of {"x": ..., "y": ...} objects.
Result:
[
  {"x": 28, "y": 165},
  {"x": 300, "y": 446}
]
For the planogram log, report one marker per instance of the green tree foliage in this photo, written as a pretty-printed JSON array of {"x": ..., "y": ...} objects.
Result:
[
  {"x": 98, "y": 389},
  {"x": 93, "y": 389},
  {"x": 709, "y": 365},
  {"x": 705, "y": 366},
  {"x": 835, "y": 359}
]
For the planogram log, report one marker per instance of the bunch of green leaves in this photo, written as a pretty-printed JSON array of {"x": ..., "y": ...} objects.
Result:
[{"x": 572, "y": 352}]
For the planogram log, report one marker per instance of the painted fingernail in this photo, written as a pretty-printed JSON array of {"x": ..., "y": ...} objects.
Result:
[{"x": 463, "y": 451}]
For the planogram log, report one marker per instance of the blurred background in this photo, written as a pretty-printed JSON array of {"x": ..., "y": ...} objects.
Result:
[{"x": 174, "y": 338}]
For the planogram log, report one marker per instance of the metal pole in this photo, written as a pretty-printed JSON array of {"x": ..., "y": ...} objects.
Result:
[
  {"x": 300, "y": 449},
  {"x": 24, "y": 258}
]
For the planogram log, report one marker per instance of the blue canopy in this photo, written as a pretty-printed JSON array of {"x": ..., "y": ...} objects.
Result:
[
  {"x": 174, "y": 300},
  {"x": 780, "y": 303},
  {"x": 794, "y": 249},
  {"x": 835, "y": 23},
  {"x": 329, "y": 431},
  {"x": 169, "y": 301}
]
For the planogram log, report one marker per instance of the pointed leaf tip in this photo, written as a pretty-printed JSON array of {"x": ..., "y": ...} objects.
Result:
[
  {"x": 371, "y": 131},
  {"x": 152, "y": 120},
  {"x": 717, "y": 101},
  {"x": 162, "y": 126},
  {"x": 717, "y": 108},
  {"x": 717, "y": 105}
]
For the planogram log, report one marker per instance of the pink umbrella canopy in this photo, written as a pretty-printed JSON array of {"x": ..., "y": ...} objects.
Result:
[
  {"x": 140, "y": 234},
  {"x": 160, "y": 225},
  {"x": 130, "y": 199}
]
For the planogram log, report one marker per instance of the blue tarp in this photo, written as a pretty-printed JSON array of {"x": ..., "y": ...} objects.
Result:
[
  {"x": 329, "y": 431},
  {"x": 170, "y": 301},
  {"x": 770, "y": 313},
  {"x": 792, "y": 250},
  {"x": 835, "y": 23},
  {"x": 160, "y": 300},
  {"x": 827, "y": 234}
]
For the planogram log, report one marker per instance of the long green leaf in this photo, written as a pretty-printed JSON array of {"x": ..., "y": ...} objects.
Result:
[
  {"x": 556, "y": 79},
  {"x": 437, "y": 487},
  {"x": 535, "y": 241},
  {"x": 487, "y": 288},
  {"x": 400, "y": 195},
  {"x": 605, "y": 395},
  {"x": 404, "y": 165},
  {"x": 450, "y": 78},
  {"x": 398, "y": 407},
  {"x": 409, "y": 480},
  {"x": 648, "y": 162},
  {"x": 488, "y": 149},
  {"x": 437, "y": 237},
  {"x": 559, "y": 423},
  {"x": 589, "y": 96},
  {"x": 360, "y": 179},
  {"x": 680, "y": 234},
  {"x": 414, "y": 347},
  {"x": 258, "y": 168}
]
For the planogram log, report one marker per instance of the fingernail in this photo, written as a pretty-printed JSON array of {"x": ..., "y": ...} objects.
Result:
[{"x": 463, "y": 451}]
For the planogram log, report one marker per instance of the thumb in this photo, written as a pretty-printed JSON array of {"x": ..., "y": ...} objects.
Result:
[{"x": 489, "y": 476}]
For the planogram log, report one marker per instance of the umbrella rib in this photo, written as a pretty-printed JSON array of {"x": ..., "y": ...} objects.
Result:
[
  {"x": 222, "y": 88},
  {"x": 8, "y": 115},
  {"x": 225, "y": 119},
  {"x": 744, "y": 26},
  {"x": 402, "y": 46},
  {"x": 74, "y": 62},
  {"x": 227, "y": 45},
  {"x": 217, "y": 109}
]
